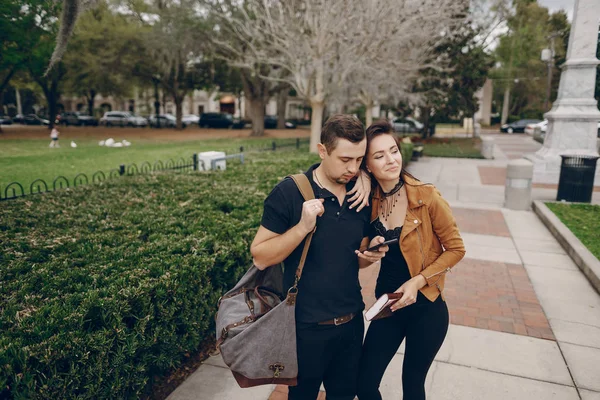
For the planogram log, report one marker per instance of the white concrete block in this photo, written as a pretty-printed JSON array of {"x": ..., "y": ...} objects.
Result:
[
  {"x": 209, "y": 382},
  {"x": 454, "y": 382},
  {"x": 584, "y": 363},
  {"x": 205, "y": 160}
]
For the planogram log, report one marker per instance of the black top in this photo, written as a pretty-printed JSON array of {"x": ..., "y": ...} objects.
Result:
[
  {"x": 394, "y": 269},
  {"x": 329, "y": 285}
]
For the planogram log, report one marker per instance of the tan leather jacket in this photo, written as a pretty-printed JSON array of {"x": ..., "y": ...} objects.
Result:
[{"x": 430, "y": 240}]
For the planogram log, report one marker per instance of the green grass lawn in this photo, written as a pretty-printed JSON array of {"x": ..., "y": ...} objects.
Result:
[
  {"x": 24, "y": 161},
  {"x": 583, "y": 220},
  {"x": 453, "y": 147}
]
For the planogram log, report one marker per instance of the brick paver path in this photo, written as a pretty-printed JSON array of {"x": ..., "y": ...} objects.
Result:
[
  {"x": 483, "y": 222},
  {"x": 495, "y": 296}
]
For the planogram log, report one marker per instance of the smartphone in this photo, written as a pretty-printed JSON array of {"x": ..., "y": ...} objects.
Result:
[{"x": 382, "y": 244}]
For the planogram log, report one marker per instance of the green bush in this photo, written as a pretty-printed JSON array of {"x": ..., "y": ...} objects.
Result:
[
  {"x": 406, "y": 148},
  {"x": 106, "y": 286}
]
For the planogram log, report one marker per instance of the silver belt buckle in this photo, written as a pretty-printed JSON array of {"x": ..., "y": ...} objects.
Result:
[{"x": 335, "y": 321}]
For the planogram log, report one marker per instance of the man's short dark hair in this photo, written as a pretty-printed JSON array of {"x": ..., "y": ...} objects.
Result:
[{"x": 341, "y": 126}]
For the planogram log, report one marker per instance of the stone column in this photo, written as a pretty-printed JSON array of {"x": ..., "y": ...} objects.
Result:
[{"x": 573, "y": 120}]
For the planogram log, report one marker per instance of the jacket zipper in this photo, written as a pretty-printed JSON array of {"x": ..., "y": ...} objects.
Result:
[{"x": 423, "y": 263}]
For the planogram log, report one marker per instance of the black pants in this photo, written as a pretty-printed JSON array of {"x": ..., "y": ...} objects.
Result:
[
  {"x": 330, "y": 355},
  {"x": 424, "y": 324}
]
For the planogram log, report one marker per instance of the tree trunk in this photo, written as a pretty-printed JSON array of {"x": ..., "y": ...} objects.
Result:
[
  {"x": 6, "y": 80},
  {"x": 1, "y": 106},
  {"x": 369, "y": 113},
  {"x": 257, "y": 115},
  {"x": 282, "y": 97},
  {"x": 191, "y": 107},
  {"x": 52, "y": 100},
  {"x": 178, "y": 110},
  {"x": 90, "y": 99},
  {"x": 505, "y": 105},
  {"x": 316, "y": 123},
  {"x": 426, "y": 112},
  {"x": 19, "y": 105},
  {"x": 52, "y": 106}
]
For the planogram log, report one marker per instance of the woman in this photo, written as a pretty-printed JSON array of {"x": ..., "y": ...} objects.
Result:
[{"x": 405, "y": 208}]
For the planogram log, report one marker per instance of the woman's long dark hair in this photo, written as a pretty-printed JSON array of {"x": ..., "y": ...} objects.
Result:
[{"x": 383, "y": 127}]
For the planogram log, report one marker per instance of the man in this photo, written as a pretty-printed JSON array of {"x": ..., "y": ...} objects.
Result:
[{"x": 329, "y": 323}]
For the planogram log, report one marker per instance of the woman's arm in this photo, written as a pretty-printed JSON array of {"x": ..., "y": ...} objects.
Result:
[
  {"x": 444, "y": 226},
  {"x": 361, "y": 191}
]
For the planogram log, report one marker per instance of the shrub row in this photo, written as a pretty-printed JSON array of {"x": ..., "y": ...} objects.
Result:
[{"x": 104, "y": 286}]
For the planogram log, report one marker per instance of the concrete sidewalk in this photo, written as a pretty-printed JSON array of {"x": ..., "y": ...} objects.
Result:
[{"x": 525, "y": 322}]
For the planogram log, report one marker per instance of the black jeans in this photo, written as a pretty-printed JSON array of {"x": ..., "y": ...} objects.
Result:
[
  {"x": 330, "y": 355},
  {"x": 424, "y": 324}
]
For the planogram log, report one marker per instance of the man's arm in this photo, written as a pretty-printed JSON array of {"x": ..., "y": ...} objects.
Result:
[{"x": 269, "y": 248}]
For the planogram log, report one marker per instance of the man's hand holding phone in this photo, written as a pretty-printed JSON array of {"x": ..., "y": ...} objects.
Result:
[{"x": 376, "y": 250}]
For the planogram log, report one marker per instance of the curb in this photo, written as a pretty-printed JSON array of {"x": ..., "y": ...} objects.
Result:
[{"x": 583, "y": 258}]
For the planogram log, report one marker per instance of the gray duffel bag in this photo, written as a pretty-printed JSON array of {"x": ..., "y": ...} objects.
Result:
[{"x": 256, "y": 329}]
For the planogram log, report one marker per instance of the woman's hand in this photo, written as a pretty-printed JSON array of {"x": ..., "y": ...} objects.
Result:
[
  {"x": 409, "y": 292},
  {"x": 361, "y": 191}
]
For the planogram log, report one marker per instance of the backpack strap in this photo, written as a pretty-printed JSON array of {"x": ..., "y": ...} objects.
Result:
[{"x": 308, "y": 194}]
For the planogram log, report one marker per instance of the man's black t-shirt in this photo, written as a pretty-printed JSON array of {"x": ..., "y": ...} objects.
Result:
[{"x": 329, "y": 286}]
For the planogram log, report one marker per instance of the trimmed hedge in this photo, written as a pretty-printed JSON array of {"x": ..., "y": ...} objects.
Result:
[
  {"x": 105, "y": 286},
  {"x": 406, "y": 149}
]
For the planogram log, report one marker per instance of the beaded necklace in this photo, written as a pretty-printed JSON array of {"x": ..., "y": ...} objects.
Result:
[{"x": 389, "y": 200}]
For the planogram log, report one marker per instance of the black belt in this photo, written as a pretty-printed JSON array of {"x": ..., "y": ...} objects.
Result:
[{"x": 338, "y": 320}]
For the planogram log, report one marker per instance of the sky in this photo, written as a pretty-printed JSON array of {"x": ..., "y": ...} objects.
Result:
[{"x": 555, "y": 5}]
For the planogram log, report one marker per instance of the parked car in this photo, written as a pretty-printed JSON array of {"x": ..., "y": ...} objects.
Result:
[
  {"x": 32, "y": 119},
  {"x": 122, "y": 118},
  {"x": 518, "y": 126},
  {"x": 531, "y": 128},
  {"x": 406, "y": 125},
  {"x": 5, "y": 120},
  {"x": 137, "y": 121},
  {"x": 271, "y": 122},
  {"x": 190, "y": 119},
  {"x": 239, "y": 123},
  {"x": 418, "y": 124},
  {"x": 163, "y": 121},
  {"x": 18, "y": 119},
  {"x": 216, "y": 120},
  {"x": 77, "y": 118}
]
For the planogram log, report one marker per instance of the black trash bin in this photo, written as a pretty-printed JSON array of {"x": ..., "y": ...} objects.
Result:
[{"x": 576, "y": 182}]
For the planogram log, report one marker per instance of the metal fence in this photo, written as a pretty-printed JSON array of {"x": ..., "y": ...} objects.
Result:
[{"x": 15, "y": 189}]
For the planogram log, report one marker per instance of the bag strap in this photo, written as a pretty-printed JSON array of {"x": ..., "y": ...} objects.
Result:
[{"x": 307, "y": 192}]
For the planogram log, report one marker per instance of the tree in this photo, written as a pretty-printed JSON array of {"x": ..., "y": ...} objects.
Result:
[
  {"x": 12, "y": 33},
  {"x": 102, "y": 54},
  {"x": 450, "y": 93},
  {"x": 398, "y": 62},
  {"x": 317, "y": 44},
  {"x": 260, "y": 81},
  {"x": 522, "y": 73},
  {"x": 20, "y": 31},
  {"x": 42, "y": 36},
  {"x": 175, "y": 41}
]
